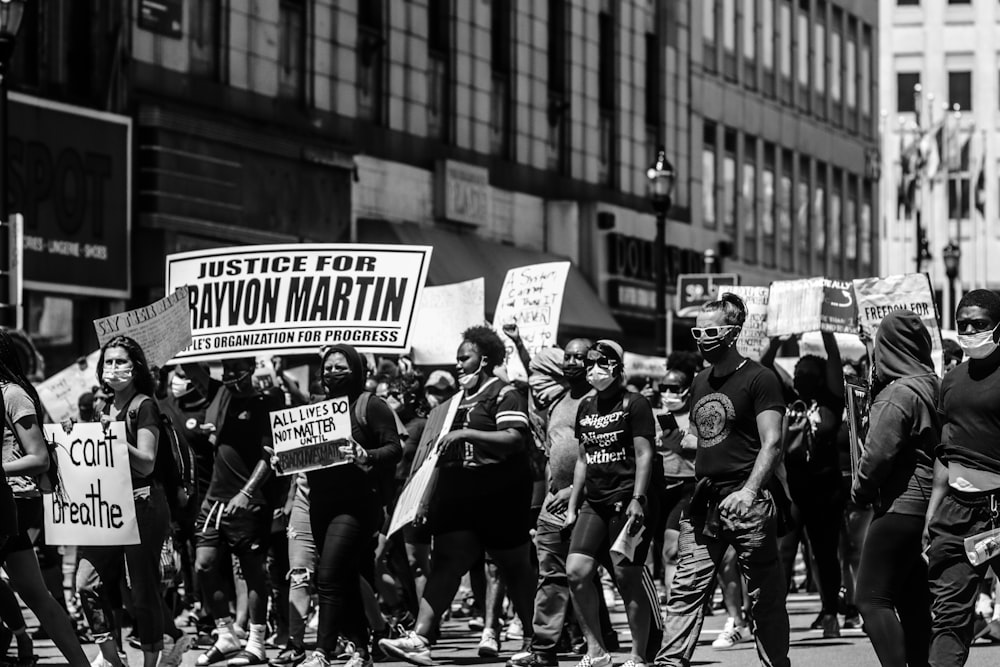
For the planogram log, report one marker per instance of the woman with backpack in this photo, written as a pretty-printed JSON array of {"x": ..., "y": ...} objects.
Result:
[
  {"x": 123, "y": 371},
  {"x": 25, "y": 459}
]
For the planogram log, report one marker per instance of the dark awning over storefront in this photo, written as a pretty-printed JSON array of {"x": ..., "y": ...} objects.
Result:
[{"x": 459, "y": 257}]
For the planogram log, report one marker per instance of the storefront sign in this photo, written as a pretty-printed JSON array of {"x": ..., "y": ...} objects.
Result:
[
  {"x": 295, "y": 298},
  {"x": 694, "y": 290},
  {"x": 462, "y": 193},
  {"x": 70, "y": 176},
  {"x": 635, "y": 258}
]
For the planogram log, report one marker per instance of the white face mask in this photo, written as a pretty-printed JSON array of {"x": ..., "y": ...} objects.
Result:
[
  {"x": 600, "y": 378},
  {"x": 180, "y": 386},
  {"x": 117, "y": 379},
  {"x": 978, "y": 345},
  {"x": 674, "y": 402},
  {"x": 468, "y": 380}
]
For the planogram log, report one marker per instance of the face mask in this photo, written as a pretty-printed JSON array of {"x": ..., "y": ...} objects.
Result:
[
  {"x": 468, "y": 381},
  {"x": 180, "y": 387},
  {"x": 117, "y": 379},
  {"x": 599, "y": 377},
  {"x": 236, "y": 380},
  {"x": 978, "y": 345},
  {"x": 337, "y": 382},
  {"x": 674, "y": 402},
  {"x": 574, "y": 373},
  {"x": 713, "y": 349}
]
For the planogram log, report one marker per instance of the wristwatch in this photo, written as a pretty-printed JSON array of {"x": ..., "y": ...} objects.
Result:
[{"x": 641, "y": 499}]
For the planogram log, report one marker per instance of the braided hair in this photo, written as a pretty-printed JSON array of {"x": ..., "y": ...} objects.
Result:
[{"x": 12, "y": 371}]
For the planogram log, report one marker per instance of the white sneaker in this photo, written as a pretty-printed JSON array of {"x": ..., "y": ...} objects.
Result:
[
  {"x": 514, "y": 630},
  {"x": 174, "y": 650},
  {"x": 412, "y": 648},
  {"x": 731, "y": 635},
  {"x": 99, "y": 660},
  {"x": 489, "y": 646}
]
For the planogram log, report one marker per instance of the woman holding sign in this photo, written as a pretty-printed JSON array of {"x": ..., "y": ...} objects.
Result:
[{"x": 123, "y": 371}]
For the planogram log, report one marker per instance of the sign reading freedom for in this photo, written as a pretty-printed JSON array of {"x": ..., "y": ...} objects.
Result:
[
  {"x": 753, "y": 340},
  {"x": 309, "y": 437},
  {"x": 161, "y": 329},
  {"x": 98, "y": 508},
  {"x": 295, "y": 298},
  {"x": 531, "y": 297},
  {"x": 877, "y": 297}
]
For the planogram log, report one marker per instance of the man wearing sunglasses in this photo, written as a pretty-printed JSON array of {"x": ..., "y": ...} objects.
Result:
[{"x": 737, "y": 410}]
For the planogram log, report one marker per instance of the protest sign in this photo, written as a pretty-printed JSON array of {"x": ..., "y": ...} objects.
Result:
[
  {"x": 839, "y": 312},
  {"x": 309, "y": 437},
  {"x": 877, "y": 297},
  {"x": 753, "y": 340},
  {"x": 445, "y": 312},
  {"x": 61, "y": 392},
  {"x": 794, "y": 306},
  {"x": 641, "y": 365},
  {"x": 298, "y": 297},
  {"x": 161, "y": 329},
  {"x": 531, "y": 297},
  {"x": 96, "y": 508},
  {"x": 857, "y": 419}
]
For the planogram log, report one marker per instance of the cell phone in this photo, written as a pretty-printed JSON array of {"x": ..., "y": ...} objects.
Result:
[{"x": 667, "y": 422}]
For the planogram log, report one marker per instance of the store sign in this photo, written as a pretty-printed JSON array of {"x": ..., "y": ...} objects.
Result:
[
  {"x": 162, "y": 17},
  {"x": 70, "y": 176},
  {"x": 631, "y": 296},
  {"x": 696, "y": 289},
  {"x": 632, "y": 263},
  {"x": 462, "y": 193}
]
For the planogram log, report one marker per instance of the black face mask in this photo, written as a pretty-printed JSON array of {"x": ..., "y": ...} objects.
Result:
[
  {"x": 239, "y": 382},
  {"x": 574, "y": 373},
  {"x": 337, "y": 383}
]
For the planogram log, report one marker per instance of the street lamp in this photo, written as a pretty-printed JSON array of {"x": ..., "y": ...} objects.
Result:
[
  {"x": 11, "y": 13},
  {"x": 661, "y": 189},
  {"x": 952, "y": 255}
]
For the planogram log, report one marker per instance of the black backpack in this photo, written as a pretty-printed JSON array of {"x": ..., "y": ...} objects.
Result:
[{"x": 174, "y": 466}]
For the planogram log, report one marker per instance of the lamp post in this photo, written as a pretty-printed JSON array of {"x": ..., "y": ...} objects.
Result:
[
  {"x": 11, "y": 13},
  {"x": 952, "y": 255},
  {"x": 661, "y": 189}
]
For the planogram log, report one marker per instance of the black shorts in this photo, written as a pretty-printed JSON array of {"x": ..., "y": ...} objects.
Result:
[
  {"x": 598, "y": 526},
  {"x": 30, "y": 520},
  {"x": 499, "y": 517},
  {"x": 243, "y": 530}
]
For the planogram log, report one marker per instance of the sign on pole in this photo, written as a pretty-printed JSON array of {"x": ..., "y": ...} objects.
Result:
[
  {"x": 298, "y": 297},
  {"x": 309, "y": 437},
  {"x": 97, "y": 507},
  {"x": 531, "y": 297},
  {"x": 445, "y": 312},
  {"x": 161, "y": 329},
  {"x": 694, "y": 290}
]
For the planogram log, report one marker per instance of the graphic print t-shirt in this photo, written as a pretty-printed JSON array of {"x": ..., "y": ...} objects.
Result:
[
  {"x": 724, "y": 416},
  {"x": 606, "y": 426}
]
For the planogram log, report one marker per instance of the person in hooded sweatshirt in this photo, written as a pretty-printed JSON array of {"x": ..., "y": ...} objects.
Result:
[{"x": 896, "y": 476}]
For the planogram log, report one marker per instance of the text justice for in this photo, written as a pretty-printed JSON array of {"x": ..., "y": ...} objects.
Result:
[{"x": 284, "y": 264}]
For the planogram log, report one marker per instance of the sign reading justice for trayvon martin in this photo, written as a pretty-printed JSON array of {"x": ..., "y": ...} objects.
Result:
[{"x": 296, "y": 298}]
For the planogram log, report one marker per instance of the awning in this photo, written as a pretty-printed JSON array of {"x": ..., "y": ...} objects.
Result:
[{"x": 460, "y": 257}]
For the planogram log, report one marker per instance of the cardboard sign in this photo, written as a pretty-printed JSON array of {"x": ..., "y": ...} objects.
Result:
[
  {"x": 877, "y": 297},
  {"x": 445, "y": 312},
  {"x": 642, "y": 365},
  {"x": 839, "y": 312},
  {"x": 61, "y": 392},
  {"x": 531, "y": 297},
  {"x": 794, "y": 306},
  {"x": 753, "y": 340},
  {"x": 161, "y": 329},
  {"x": 694, "y": 290},
  {"x": 856, "y": 393},
  {"x": 97, "y": 507},
  {"x": 298, "y": 297},
  {"x": 309, "y": 437}
]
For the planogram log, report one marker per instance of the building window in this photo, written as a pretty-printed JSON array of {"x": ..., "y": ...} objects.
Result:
[
  {"x": 729, "y": 38},
  {"x": 501, "y": 45},
  {"x": 205, "y": 30},
  {"x": 606, "y": 95},
  {"x": 959, "y": 204},
  {"x": 907, "y": 2},
  {"x": 802, "y": 62},
  {"x": 371, "y": 59},
  {"x": 730, "y": 192},
  {"x": 786, "y": 249},
  {"x": 769, "y": 201},
  {"x": 750, "y": 43},
  {"x": 836, "y": 221},
  {"x": 905, "y": 81},
  {"x": 960, "y": 90},
  {"x": 819, "y": 57},
  {"x": 558, "y": 153},
  {"x": 654, "y": 101},
  {"x": 959, "y": 2},
  {"x": 708, "y": 185},
  {"x": 748, "y": 201},
  {"x": 866, "y": 80},
  {"x": 708, "y": 29},
  {"x": 836, "y": 68},
  {"x": 292, "y": 50},
  {"x": 821, "y": 222},
  {"x": 786, "y": 36},
  {"x": 803, "y": 208},
  {"x": 439, "y": 70},
  {"x": 767, "y": 44},
  {"x": 851, "y": 73},
  {"x": 865, "y": 233},
  {"x": 851, "y": 226},
  {"x": 25, "y": 63}
]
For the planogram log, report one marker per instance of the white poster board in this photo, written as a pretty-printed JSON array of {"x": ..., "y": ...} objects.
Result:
[
  {"x": 531, "y": 297},
  {"x": 309, "y": 437},
  {"x": 445, "y": 312},
  {"x": 794, "y": 306},
  {"x": 877, "y": 297},
  {"x": 296, "y": 298},
  {"x": 61, "y": 392},
  {"x": 753, "y": 340},
  {"x": 161, "y": 329},
  {"x": 643, "y": 365},
  {"x": 97, "y": 508}
]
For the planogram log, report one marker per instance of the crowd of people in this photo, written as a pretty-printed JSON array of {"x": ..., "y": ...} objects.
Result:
[{"x": 547, "y": 493}]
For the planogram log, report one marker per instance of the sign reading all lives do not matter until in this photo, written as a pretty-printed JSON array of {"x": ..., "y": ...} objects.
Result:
[{"x": 296, "y": 298}]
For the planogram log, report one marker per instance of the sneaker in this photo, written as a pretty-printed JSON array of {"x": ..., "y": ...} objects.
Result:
[
  {"x": 532, "y": 659},
  {"x": 357, "y": 660},
  {"x": 587, "y": 661},
  {"x": 831, "y": 626},
  {"x": 290, "y": 656},
  {"x": 634, "y": 662},
  {"x": 984, "y": 606},
  {"x": 817, "y": 623},
  {"x": 853, "y": 620},
  {"x": 276, "y": 640},
  {"x": 489, "y": 645},
  {"x": 99, "y": 661},
  {"x": 412, "y": 648},
  {"x": 174, "y": 650},
  {"x": 515, "y": 630},
  {"x": 731, "y": 635},
  {"x": 316, "y": 659},
  {"x": 476, "y": 623}
]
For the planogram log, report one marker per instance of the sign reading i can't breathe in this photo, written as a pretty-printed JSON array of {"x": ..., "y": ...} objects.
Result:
[
  {"x": 309, "y": 437},
  {"x": 97, "y": 507},
  {"x": 295, "y": 298}
]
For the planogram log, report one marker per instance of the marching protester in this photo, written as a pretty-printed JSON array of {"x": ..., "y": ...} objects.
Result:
[
  {"x": 737, "y": 409},
  {"x": 613, "y": 500},
  {"x": 483, "y": 495},
  {"x": 964, "y": 503},
  {"x": 895, "y": 475},
  {"x": 124, "y": 372}
]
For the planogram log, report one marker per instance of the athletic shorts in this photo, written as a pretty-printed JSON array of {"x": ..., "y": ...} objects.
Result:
[
  {"x": 29, "y": 524},
  {"x": 598, "y": 526},
  {"x": 244, "y": 530}
]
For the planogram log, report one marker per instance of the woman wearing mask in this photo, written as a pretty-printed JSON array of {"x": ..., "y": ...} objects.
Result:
[
  {"x": 124, "y": 373},
  {"x": 346, "y": 509},
  {"x": 612, "y": 493},
  {"x": 483, "y": 496},
  {"x": 896, "y": 476}
]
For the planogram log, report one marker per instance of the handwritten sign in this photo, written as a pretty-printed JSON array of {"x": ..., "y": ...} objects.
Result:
[
  {"x": 308, "y": 437},
  {"x": 97, "y": 507},
  {"x": 877, "y": 297},
  {"x": 531, "y": 297},
  {"x": 856, "y": 393},
  {"x": 839, "y": 313},
  {"x": 298, "y": 297},
  {"x": 445, "y": 312},
  {"x": 61, "y": 392},
  {"x": 794, "y": 306},
  {"x": 753, "y": 340},
  {"x": 161, "y": 329}
]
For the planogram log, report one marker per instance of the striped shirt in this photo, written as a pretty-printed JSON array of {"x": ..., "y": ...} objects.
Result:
[{"x": 494, "y": 407}]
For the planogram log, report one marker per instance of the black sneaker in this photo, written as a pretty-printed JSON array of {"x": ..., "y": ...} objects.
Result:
[
  {"x": 290, "y": 656},
  {"x": 532, "y": 659}
]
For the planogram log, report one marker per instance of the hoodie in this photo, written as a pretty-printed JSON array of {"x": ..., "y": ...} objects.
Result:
[{"x": 896, "y": 469}]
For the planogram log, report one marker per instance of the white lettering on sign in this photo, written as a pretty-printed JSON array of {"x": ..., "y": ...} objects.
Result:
[{"x": 463, "y": 192}]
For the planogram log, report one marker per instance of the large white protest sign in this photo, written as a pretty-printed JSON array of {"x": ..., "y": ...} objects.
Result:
[
  {"x": 97, "y": 507},
  {"x": 877, "y": 297},
  {"x": 60, "y": 393},
  {"x": 531, "y": 297},
  {"x": 299, "y": 297},
  {"x": 753, "y": 340},
  {"x": 644, "y": 366},
  {"x": 161, "y": 329},
  {"x": 309, "y": 437},
  {"x": 445, "y": 312},
  {"x": 794, "y": 306}
]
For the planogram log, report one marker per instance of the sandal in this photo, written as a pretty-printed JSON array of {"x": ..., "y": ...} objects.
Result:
[
  {"x": 214, "y": 655},
  {"x": 244, "y": 658}
]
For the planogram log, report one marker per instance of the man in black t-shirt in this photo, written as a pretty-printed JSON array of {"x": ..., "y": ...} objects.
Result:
[{"x": 737, "y": 410}]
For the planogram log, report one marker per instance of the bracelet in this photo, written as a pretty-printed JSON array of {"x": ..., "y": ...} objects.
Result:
[{"x": 247, "y": 494}]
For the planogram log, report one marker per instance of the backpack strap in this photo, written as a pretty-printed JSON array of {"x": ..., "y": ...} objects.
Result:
[
  {"x": 132, "y": 413},
  {"x": 361, "y": 409}
]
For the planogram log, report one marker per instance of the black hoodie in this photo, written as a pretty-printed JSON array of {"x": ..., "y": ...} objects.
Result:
[{"x": 896, "y": 468}]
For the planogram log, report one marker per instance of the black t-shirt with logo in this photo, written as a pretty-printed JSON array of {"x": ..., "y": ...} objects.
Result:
[
  {"x": 606, "y": 426},
  {"x": 724, "y": 417}
]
